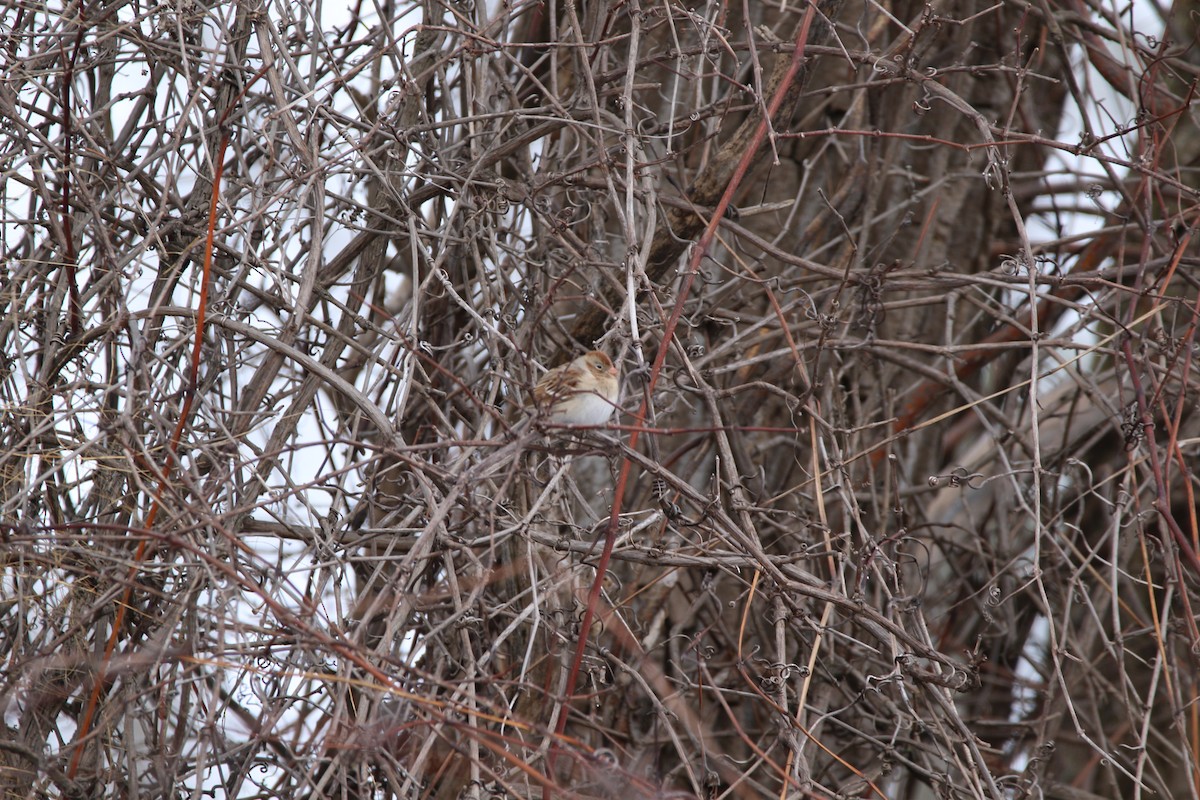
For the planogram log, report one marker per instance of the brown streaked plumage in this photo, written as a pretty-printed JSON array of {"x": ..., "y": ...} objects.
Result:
[{"x": 583, "y": 392}]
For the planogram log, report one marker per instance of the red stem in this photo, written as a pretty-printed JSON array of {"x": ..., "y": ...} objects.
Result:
[{"x": 702, "y": 247}]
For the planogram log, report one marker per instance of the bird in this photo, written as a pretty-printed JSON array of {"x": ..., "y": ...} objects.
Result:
[{"x": 583, "y": 392}]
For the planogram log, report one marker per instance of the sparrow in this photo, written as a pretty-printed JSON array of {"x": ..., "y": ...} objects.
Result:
[{"x": 583, "y": 392}]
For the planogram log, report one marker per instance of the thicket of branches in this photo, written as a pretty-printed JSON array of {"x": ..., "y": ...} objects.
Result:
[{"x": 900, "y": 504}]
